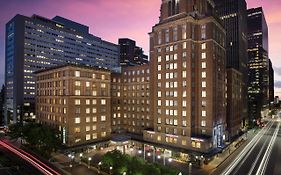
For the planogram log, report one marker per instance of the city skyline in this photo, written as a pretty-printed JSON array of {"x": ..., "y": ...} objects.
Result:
[{"x": 138, "y": 23}]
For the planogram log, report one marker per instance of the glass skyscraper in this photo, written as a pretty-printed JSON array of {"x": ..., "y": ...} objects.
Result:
[{"x": 35, "y": 43}]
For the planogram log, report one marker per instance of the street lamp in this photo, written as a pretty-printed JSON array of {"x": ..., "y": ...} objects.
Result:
[
  {"x": 81, "y": 155},
  {"x": 170, "y": 159},
  {"x": 89, "y": 162},
  {"x": 158, "y": 157},
  {"x": 110, "y": 168},
  {"x": 190, "y": 168},
  {"x": 99, "y": 164},
  {"x": 124, "y": 173},
  {"x": 148, "y": 154}
]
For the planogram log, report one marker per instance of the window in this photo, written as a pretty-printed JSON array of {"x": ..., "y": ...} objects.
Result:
[
  {"x": 198, "y": 145},
  {"x": 203, "y": 113},
  {"x": 203, "y": 55},
  {"x": 203, "y": 123},
  {"x": 175, "y": 34},
  {"x": 95, "y": 136},
  {"x": 77, "y": 102},
  {"x": 203, "y": 31},
  {"x": 103, "y": 102},
  {"x": 167, "y": 35},
  {"x": 103, "y": 77},
  {"x": 184, "y": 31},
  {"x": 77, "y": 83},
  {"x": 203, "y": 74},
  {"x": 88, "y": 102},
  {"x": 183, "y": 74},
  {"x": 87, "y": 84},
  {"x": 103, "y": 134},
  {"x": 204, "y": 94},
  {"x": 160, "y": 37},
  {"x": 159, "y": 59},
  {"x": 77, "y": 73},
  {"x": 103, "y": 85},
  {"x": 88, "y": 119},
  {"x": 88, "y": 110},
  {"x": 88, "y": 128},
  {"x": 94, "y": 127},
  {"x": 77, "y": 92},
  {"x": 94, "y": 102},
  {"x": 94, "y": 76},
  {"x": 88, "y": 136},
  {"x": 95, "y": 119},
  {"x": 77, "y": 130},
  {"x": 184, "y": 45},
  {"x": 203, "y": 84},
  {"x": 94, "y": 110},
  {"x": 77, "y": 120},
  {"x": 203, "y": 46},
  {"x": 103, "y": 118},
  {"x": 204, "y": 65},
  {"x": 94, "y": 93}
]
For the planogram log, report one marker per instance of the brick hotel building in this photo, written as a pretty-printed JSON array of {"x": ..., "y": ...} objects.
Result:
[
  {"x": 77, "y": 101},
  {"x": 188, "y": 77}
]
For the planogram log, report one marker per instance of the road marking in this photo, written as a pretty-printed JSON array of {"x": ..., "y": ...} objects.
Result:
[
  {"x": 257, "y": 158},
  {"x": 265, "y": 159},
  {"x": 246, "y": 150}
]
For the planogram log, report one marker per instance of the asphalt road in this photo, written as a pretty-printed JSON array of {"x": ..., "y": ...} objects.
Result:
[
  {"x": 261, "y": 155},
  {"x": 14, "y": 165}
]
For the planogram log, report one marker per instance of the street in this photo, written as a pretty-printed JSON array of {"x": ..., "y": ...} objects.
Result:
[{"x": 258, "y": 156}]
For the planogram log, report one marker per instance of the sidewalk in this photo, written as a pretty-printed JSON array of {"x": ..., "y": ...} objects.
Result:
[{"x": 232, "y": 148}]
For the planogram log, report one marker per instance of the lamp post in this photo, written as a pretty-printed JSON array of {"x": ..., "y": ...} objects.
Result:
[
  {"x": 69, "y": 156},
  {"x": 99, "y": 164},
  {"x": 81, "y": 155},
  {"x": 110, "y": 169},
  {"x": 89, "y": 162},
  {"x": 190, "y": 168}
]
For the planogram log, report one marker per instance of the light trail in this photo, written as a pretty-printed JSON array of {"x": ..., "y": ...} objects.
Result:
[
  {"x": 31, "y": 159},
  {"x": 265, "y": 159},
  {"x": 249, "y": 147}
]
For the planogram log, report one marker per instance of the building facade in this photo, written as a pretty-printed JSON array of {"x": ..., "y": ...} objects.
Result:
[
  {"x": 131, "y": 100},
  {"x": 233, "y": 14},
  {"x": 130, "y": 54},
  {"x": 259, "y": 80},
  {"x": 35, "y": 43},
  {"x": 77, "y": 101},
  {"x": 188, "y": 77}
]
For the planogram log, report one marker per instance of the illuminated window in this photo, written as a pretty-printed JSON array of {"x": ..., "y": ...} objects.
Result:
[
  {"x": 204, "y": 65},
  {"x": 204, "y": 75},
  {"x": 88, "y": 119},
  {"x": 88, "y": 136},
  {"x": 203, "y": 84},
  {"x": 87, "y": 84},
  {"x": 77, "y": 130},
  {"x": 94, "y": 127},
  {"x": 88, "y": 128},
  {"x": 88, "y": 102},
  {"x": 204, "y": 94},
  {"x": 95, "y": 136},
  {"x": 203, "y": 46},
  {"x": 77, "y": 102},
  {"x": 88, "y": 110},
  {"x": 77, "y": 73},
  {"x": 77, "y": 92},
  {"x": 198, "y": 145},
  {"x": 103, "y": 118},
  {"x": 77, "y": 83},
  {"x": 203, "y": 113},
  {"x": 203, "y": 55},
  {"x": 103, "y": 101},
  {"x": 77, "y": 120},
  {"x": 103, "y": 134},
  {"x": 95, "y": 119},
  {"x": 203, "y": 123}
]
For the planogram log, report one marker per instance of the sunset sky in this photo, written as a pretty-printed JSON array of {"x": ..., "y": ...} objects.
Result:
[{"x": 113, "y": 19}]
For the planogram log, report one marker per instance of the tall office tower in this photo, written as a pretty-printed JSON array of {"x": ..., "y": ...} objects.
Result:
[
  {"x": 233, "y": 14},
  {"x": 188, "y": 77},
  {"x": 258, "y": 87},
  {"x": 35, "y": 43},
  {"x": 271, "y": 82},
  {"x": 76, "y": 101},
  {"x": 130, "y": 54},
  {"x": 131, "y": 100}
]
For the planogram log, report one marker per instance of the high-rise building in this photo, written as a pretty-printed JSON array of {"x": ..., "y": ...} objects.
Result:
[
  {"x": 271, "y": 82},
  {"x": 76, "y": 100},
  {"x": 233, "y": 14},
  {"x": 2, "y": 101},
  {"x": 188, "y": 88},
  {"x": 130, "y": 54},
  {"x": 258, "y": 88},
  {"x": 131, "y": 100},
  {"x": 35, "y": 43}
]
